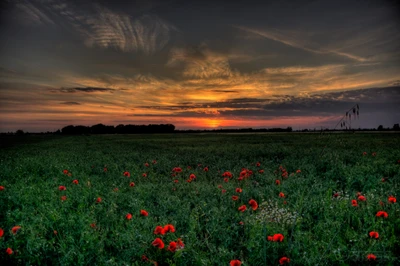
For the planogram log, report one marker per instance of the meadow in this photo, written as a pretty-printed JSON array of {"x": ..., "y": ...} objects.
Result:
[{"x": 209, "y": 199}]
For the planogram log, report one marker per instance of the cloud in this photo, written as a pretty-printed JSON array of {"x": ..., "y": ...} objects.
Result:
[
  {"x": 71, "y": 103},
  {"x": 34, "y": 14},
  {"x": 86, "y": 89}
]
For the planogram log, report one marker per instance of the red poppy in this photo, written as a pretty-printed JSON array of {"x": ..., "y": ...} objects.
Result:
[
  {"x": 98, "y": 200},
  {"x": 62, "y": 188},
  {"x": 192, "y": 176},
  {"x": 227, "y": 174},
  {"x": 374, "y": 154},
  {"x": 146, "y": 164},
  {"x": 63, "y": 198},
  {"x": 205, "y": 169},
  {"x": 381, "y": 203},
  {"x": 189, "y": 167},
  {"x": 241, "y": 223},
  {"x": 258, "y": 164},
  {"x": 128, "y": 216},
  {"x": 285, "y": 202},
  {"x": 382, "y": 214},
  {"x": 365, "y": 153},
  {"x": 131, "y": 184},
  {"x": 169, "y": 228},
  {"x": 144, "y": 213},
  {"x": 1, "y": 188},
  {"x": 144, "y": 258},
  {"x": 261, "y": 171},
  {"x": 374, "y": 234},
  {"x": 65, "y": 171},
  {"x": 158, "y": 243},
  {"x": 1, "y": 232},
  {"x": 75, "y": 182},
  {"x": 285, "y": 174},
  {"x": 189, "y": 180},
  {"x": 253, "y": 204},
  {"x": 242, "y": 208},
  {"x": 172, "y": 246},
  {"x": 127, "y": 174},
  {"x": 298, "y": 171},
  {"x": 159, "y": 230},
  {"x": 235, "y": 263},
  {"x": 15, "y": 229},
  {"x": 180, "y": 244},
  {"x": 177, "y": 169},
  {"x": 220, "y": 186},
  {"x": 383, "y": 179},
  {"x": 278, "y": 237},
  {"x": 270, "y": 238},
  {"x": 9, "y": 251},
  {"x": 392, "y": 199},
  {"x": 362, "y": 198},
  {"x": 281, "y": 195},
  {"x": 278, "y": 182},
  {"x": 105, "y": 169},
  {"x": 284, "y": 260},
  {"x": 226, "y": 179},
  {"x": 93, "y": 225},
  {"x": 223, "y": 191},
  {"x": 238, "y": 190},
  {"x": 116, "y": 189},
  {"x": 55, "y": 232},
  {"x": 235, "y": 197},
  {"x": 144, "y": 175},
  {"x": 354, "y": 203},
  {"x": 371, "y": 257},
  {"x": 336, "y": 195}
]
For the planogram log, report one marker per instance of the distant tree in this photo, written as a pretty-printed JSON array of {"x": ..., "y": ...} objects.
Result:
[
  {"x": 380, "y": 127},
  {"x": 19, "y": 132},
  {"x": 396, "y": 127}
]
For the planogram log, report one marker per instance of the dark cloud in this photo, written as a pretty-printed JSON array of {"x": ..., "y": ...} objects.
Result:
[
  {"x": 225, "y": 91},
  {"x": 85, "y": 89},
  {"x": 71, "y": 103}
]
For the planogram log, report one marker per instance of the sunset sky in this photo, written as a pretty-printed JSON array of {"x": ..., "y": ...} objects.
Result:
[{"x": 198, "y": 64}]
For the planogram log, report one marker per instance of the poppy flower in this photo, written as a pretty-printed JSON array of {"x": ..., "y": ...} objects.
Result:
[
  {"x": 242, "y": 208},
  {"x": 144, "y": 258},
  {"x": 62, "y": 188},
  {"x": 63, "y": 198},
  {"x": 227, "y": 174},
  {"x": 278, "y": 182},
  {"x": 158, "y": 243},
  {"x": 238, "y": 190},
  {"x": 241, "y": 223},
  {"x": 285, "y": 174},
  {"x": 105, "y": 169},
  {"x": 65, "y": 171},
  {"x": 270, "y": 238},
  {"x": 75, "y": 182},
  {"x": 159, "y": 230},
  {"x": 261, "y": 171},
  {"x": 144, "y": 213},
  {"x": 144, "y": 175},
  {"x": 205, "y": 169},
  {"x": 335, "y": 195},
  {"x": 189, "y": 180},
  {"x": 146, "y": 164},
  {"x": 128, "y": 216},
  {"x": 177, "y": 169},
  {"x": 278, "y": 237},
  {"x": 226, "y": 180},
  {"x": 131, "y": 184},
  {"x": 285, "y": 202},
  {"x": 382, "y": 214},
  {"x": 93, "y": 225},
  {"x": 189, "y": 167},
  {"x": 284, "y": 260},
  {"x": 235, "y": 263},
  {"x": 354, "y": 203},
  {"x": 281, "y": 195},
  {"x": 374, "y": 234},
  {"x": 365, "y": 153},
  {"x": 55, "y": 232},
  {"x": 298, "y": 171},
  {"x": 169, "y": 228},
  {"x": 383, "y": 179},
  {"x": 9, "y": 251},
  {"x": 154, "y": 161},
  {"x": 172, "y": 246},
  {"x": 392, "y": 199},
  {"x": 362, "y": 198},
  {"x": 127, "y": 174},
  {"x": 220, "y": 186},
  {"x": 223, "y": 191},
  {"x": 371, "y": 257},
  {"x": 253, "y": 204},
  {"x": 235, "y": 197},
  {"x": 258, "y": 164},
  {"x": 15, "y": 229},
  {"x": 98, "y": 200},
  {"x": 1, "y": 232},
  {"x": 381, "y": 203},
  {"x": 180, "y": 244},
  {"x": 374, "y": 154},
  {"x": 116, "y": 189},
  {"x": 192, "y": 176}
]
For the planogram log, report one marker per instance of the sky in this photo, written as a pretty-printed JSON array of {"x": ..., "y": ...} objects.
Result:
[{"x": 198, "y": 64}]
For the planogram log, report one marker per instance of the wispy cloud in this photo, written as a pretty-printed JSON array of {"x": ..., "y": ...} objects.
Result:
[{"x": 86, "y": 89}]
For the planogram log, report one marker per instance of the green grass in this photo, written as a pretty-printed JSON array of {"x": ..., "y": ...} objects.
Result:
[{"x": 318, "y": 229}]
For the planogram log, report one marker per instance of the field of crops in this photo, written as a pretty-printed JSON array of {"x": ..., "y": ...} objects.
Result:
[{"x": 201, "y": 199}]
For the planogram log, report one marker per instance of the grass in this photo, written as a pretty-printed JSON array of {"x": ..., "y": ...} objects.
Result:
[{"x": 318, "y": 229}]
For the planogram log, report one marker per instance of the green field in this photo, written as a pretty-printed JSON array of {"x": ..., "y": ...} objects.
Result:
[{"x": 316, "y": 216}]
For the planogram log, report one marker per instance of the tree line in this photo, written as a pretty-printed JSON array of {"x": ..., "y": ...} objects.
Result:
[{"x": 120, "y": 129}]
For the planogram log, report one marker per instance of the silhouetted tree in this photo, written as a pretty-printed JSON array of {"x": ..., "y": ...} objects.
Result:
[
  {"x": 19, "y": 132},
  {"x": 380, "y": 127},
  {"x": 396, "y": 127}
]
